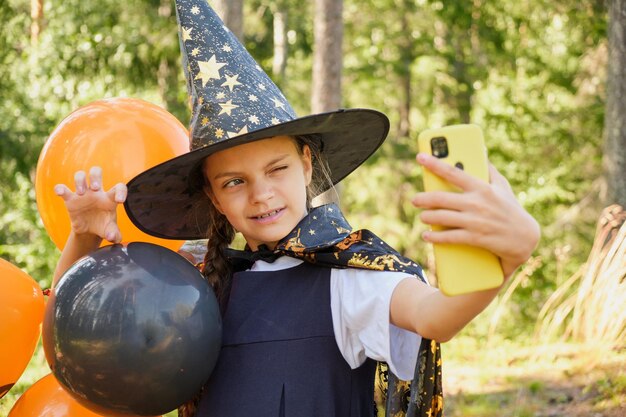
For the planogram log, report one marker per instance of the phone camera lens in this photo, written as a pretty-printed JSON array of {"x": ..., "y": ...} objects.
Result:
[{"x": 439, "y": 146}]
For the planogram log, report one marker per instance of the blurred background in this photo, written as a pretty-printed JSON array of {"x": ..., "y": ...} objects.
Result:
[{"x": 532, "y": 73}]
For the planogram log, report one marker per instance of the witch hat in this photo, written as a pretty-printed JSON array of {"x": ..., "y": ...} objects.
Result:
[{"x": 234, "y": 102}]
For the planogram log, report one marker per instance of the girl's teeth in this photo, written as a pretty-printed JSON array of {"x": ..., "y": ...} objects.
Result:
[{"x": 268, "y": 214}]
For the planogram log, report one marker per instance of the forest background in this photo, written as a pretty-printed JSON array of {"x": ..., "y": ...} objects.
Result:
[{"x": 532, "y": 73}]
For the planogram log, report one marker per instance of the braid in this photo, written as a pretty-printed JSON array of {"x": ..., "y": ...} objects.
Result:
[
  {"x": 217, "y": 269},
  {"x": 218, "y": 273}
]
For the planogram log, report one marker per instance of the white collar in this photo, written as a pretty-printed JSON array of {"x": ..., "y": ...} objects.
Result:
[{"x": 283, "y": 262}]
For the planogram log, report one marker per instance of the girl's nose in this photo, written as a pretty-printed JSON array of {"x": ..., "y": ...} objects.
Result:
[{"x": 260, "y": 191}]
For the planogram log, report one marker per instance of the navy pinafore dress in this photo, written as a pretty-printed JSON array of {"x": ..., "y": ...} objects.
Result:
[{"x": 279, "y": 356}]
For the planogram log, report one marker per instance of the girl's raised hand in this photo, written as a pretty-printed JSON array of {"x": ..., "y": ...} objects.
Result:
[
  {"x": 485, "y": 214},
  {"x": 92, "y": 210}
]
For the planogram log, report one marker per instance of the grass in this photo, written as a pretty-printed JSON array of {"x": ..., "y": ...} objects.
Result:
[
  {"x": 574, "y": 365},
  {"x": 548, "y": 380},
  {"x": 588, "y": 307}
]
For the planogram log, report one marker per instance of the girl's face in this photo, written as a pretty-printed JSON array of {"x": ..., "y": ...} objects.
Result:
[{"x": 260, "y": 187}]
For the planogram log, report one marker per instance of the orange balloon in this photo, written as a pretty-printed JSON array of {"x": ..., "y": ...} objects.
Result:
[
  {"x": 46, "y": 398},
  {"x": 21, "y": 313},
  {"x": 121, "y": 135}
]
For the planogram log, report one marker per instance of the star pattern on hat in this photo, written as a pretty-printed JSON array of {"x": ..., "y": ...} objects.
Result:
[
  {"x": 241, "y": 132},
  {"x": 227, "y": 107},
  {"x": 278, "y": 103},
  {"x": 239, "y": 97},
  {"x": 209, "y": 70},
  {"x": 186, "y": 34},
  {"x": 231, "y": 82}
]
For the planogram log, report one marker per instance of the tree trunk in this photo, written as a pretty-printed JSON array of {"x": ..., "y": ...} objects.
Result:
[
  {"x": 36, "y": 14},
  {"x": 327, "y": 66},
  {"x": 231, "y": 12},
  {"x": 463, "y": 97},
  {"x": 327, "y": 55},
  {"x": 406, "y": 54},
  {"x": 166, "y": 74},
  {"x": 280, "y": 44},
  {"x": 615, "y": 126}
]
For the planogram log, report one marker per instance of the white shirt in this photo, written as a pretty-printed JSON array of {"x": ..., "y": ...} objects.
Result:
[{"x": 359, "y": 301}]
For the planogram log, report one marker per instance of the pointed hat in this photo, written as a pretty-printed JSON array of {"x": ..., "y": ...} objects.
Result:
[{"x": 234, "y": 102}]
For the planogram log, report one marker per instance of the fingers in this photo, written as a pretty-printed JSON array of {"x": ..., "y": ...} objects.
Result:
[
  {"x": 95, "y": 178},
  {"x": 437, "y": 199},
  {"x": 92, "y": 210},
  {"x": 448, "y": 172},
  {"x": 453, "y": 236},
  {"x": 112, "y": 233},
  {"x": 62, "y": 191},
  {"x": 118, "y": 192},
  {"x": 485, "y": 215},
  {"x": 449, "y": 218},
  {"x": 498, "y": 179},
  {"x": 80, "y": 182}
]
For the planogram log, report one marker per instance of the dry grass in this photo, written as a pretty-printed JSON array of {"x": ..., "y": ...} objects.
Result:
[
  {"x": 589, "y": 307},
  {"x": 575, "y": 365},
  {"x": 508, "y": 379}
]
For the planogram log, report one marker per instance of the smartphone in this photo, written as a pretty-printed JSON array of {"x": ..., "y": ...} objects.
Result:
[{"x": 460, "y": 268}]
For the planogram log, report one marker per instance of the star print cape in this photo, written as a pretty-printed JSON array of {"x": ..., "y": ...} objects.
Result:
[{"x": 325, "y": 238}]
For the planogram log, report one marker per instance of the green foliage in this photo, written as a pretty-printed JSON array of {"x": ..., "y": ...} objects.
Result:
[
  {"x": 86, "y": 51},
  {"x": 260, "y": 43},
  {"x": 24, "y": 241},
  {"x": 530, "y": 73}
]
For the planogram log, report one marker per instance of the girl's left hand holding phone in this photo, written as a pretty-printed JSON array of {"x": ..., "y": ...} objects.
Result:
[{"x": 486, "y": 215}]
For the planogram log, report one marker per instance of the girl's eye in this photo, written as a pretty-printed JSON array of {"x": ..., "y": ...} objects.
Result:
[
  {"x": 232, "y": 183},
  {"x": 280, "y": 168}
]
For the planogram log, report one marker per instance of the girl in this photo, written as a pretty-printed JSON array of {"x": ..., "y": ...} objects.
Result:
[
  {"x": 301, "y": 331},
  {"x": 259, "y": 188}
]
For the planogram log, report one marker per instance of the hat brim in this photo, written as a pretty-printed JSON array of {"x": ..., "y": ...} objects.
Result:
[{"x": 163, "y": 202}]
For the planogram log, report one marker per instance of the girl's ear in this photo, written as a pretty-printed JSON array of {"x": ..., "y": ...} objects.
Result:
[
  {"x": 209, "y": 193},
  {"x": 307, "y": 164}
]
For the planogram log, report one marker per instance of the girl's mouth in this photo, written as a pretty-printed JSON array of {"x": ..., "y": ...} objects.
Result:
[
  {"x": 271, "y": 213},
  {"x": 268, "y": 215}
]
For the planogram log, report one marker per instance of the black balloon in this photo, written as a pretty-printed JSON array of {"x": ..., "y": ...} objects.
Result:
[{"x": 132, "y": 329}]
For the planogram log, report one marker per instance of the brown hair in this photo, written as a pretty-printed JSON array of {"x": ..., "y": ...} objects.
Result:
[
  {"x": 320, "y": 179},
  {"x": 217, "y": 269}
]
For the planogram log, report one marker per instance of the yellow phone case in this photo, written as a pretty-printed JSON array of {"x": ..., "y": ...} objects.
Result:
[{"x": 460, "y": 268}]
